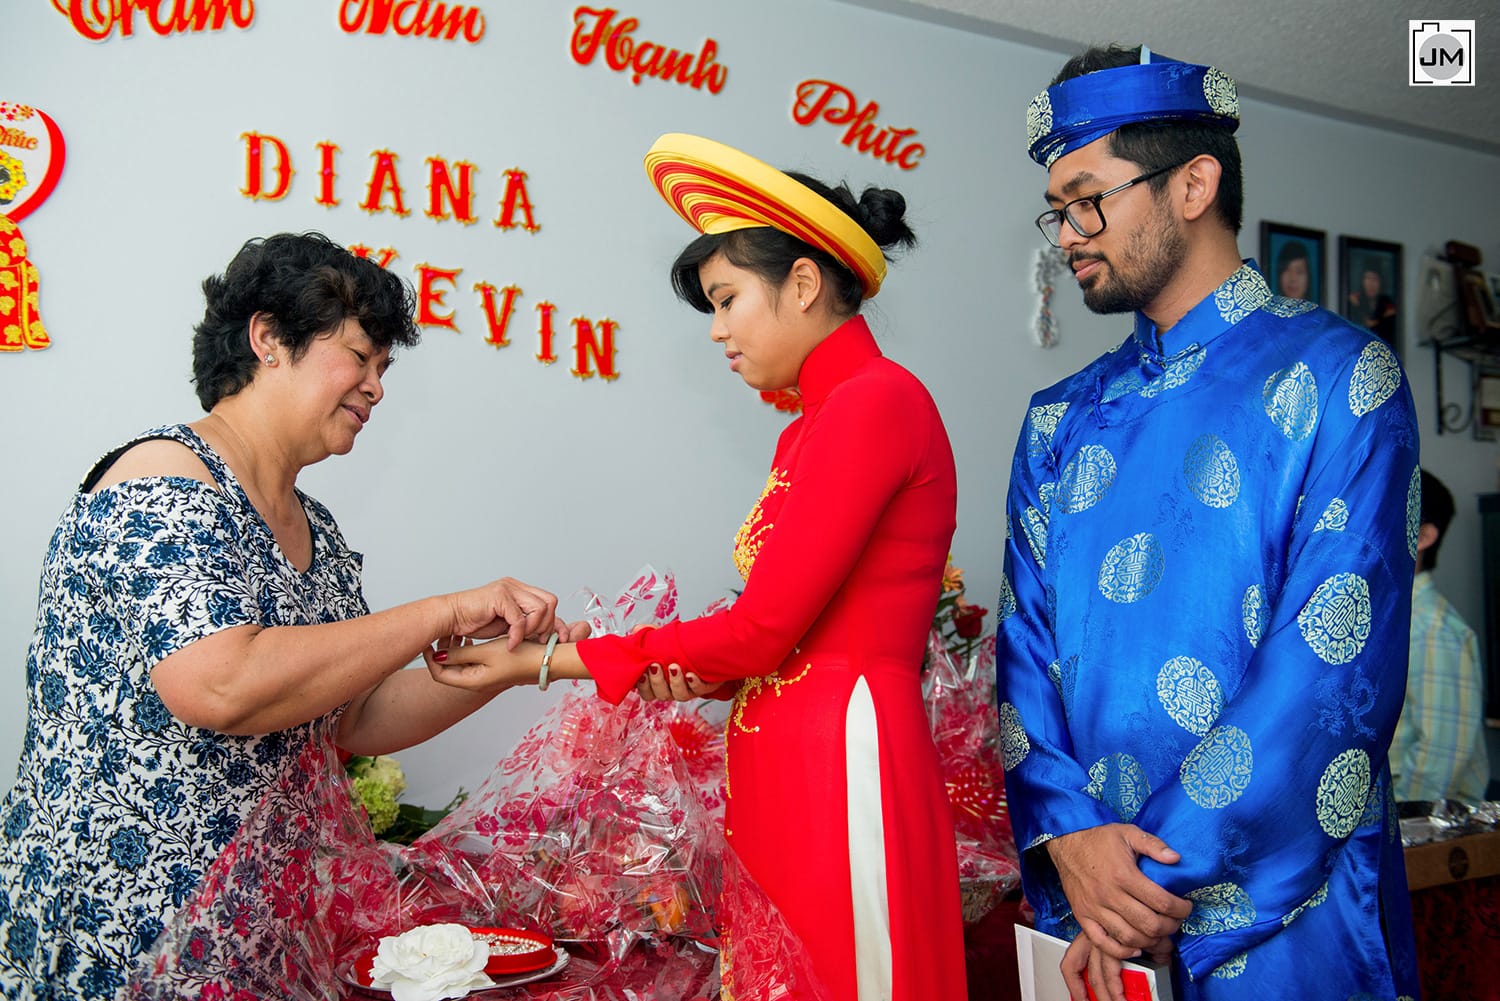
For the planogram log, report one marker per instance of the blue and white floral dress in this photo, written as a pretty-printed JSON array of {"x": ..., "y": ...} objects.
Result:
[{"x": 118, "y": 808}]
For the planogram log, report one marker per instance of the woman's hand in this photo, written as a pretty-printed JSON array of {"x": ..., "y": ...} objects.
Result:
[
  {"x": 486, "y": 668},
  {"x": 659, "y": 685},
  {"x": 505, "y": 606}
]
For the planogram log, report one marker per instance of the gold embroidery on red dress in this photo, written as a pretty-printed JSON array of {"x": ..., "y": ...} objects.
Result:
[
  {"x": 748, "y": 540},
  {"x": 747, "y": 543}
]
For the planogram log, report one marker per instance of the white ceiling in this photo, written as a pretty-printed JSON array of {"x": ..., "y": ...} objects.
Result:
[{"x": 1343, "y": 58}]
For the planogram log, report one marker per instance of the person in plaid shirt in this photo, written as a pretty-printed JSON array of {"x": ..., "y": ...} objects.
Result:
[{"x": 1438, "y": 751}]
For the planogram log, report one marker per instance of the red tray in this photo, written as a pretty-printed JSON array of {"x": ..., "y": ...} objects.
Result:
[{"x": 512, "y": 950}]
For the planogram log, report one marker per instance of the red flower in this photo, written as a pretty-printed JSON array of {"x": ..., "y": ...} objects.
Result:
[
  {"x": 786, "y": 400},
  {"x": 968, "y": 621}
]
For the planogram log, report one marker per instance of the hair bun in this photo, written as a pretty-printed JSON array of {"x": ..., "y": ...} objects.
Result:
[{"x": 882, "y": 213}]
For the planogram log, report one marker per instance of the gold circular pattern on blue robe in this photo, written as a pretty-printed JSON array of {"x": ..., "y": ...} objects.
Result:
[
  {"x": 1219, "y": 908},
  {"x": 1176, "y": 373},
  {"x": 1220, "y": 92},
  {"x": 1190, "y": 694},
  {"x": 1041, "y": 424},
  {"x": 1035, "y": 526},
  {"x": 1413, "y": 511},
  {"x": 1253, "y": 613},
  {"x": 1335, "y": 622},
  {"x": 1213, "y": 473},
  {"x": 1045, "y": 493},
  {"x": 1119, "y": 782},
  {"x": 1290, "y": 397},
  {"x": 1218, "y": 770},
  {"x": 1231, "y": 967},
  {"x": 1086, "y": 478},
  {"x": 1335, "y": 517},
  {"x": 1342, "y": 791},
  {"x": 1038, "y": 118},
  {"x": 1280, "y": 305},
  {"x": 1377, "y": 376},
  {"x": 1126, "y": 384},
  {"x": 1320, "y": 895},
  {"x": 1243, "y": 293},
  {"x": 1132, "y": 569},
  {"x": 1014, "y": 746}
]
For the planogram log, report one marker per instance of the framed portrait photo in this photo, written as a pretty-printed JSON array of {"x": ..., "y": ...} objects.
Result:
[
  {"x": 1370, "y": 287},
  {"x": 1294, "y": 259}
]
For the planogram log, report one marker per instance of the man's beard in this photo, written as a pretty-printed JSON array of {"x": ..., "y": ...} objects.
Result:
[{"x": 1148, "y": 261}]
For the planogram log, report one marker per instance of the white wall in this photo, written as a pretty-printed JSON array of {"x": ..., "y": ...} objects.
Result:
[{"x": 484, "y": 462}]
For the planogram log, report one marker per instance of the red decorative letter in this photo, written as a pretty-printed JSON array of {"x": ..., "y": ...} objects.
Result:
[
  {"x": 515, "y": 196},
  {"x": 544, "y": 332},
  {"x": 707, "y": 72},
  {"x": 255, "y": 167},
  {"x": 440, "y": 185},
  {"x": 601, "y": 351},
  {"x": 381, "y": 177},
  {"x": 326, "y": 174},
  {"x": 498, "y": 323},
  {"x": 429, "y": 296},
  {"x": 586, "y": 44}
]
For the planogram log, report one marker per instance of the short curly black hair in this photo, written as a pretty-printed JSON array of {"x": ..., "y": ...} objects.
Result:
[{"x": 306, "y": 285}]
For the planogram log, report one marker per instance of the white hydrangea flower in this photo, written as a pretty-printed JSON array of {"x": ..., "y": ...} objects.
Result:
[{"x": 430, "y": 963}]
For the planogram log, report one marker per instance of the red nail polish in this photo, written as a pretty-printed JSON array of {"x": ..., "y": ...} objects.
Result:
[
  {"x": 440, "y": 656},
  {"x": 655, "y": 668},
  {"x": 675, "y": 670}
]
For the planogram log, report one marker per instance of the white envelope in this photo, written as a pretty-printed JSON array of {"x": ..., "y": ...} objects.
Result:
[{"x": 1040, "y": 957}]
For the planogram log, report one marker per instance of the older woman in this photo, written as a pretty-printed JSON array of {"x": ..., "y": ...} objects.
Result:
[
  {"x": 201, "y": 619},
  {"x": 836, "y": 799}
]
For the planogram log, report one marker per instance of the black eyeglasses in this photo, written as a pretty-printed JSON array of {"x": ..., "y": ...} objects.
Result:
[{"x": 1084, "y": 214}]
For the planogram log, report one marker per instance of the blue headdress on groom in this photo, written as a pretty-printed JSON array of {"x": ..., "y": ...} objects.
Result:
[{"x": 1074, "y": 113}]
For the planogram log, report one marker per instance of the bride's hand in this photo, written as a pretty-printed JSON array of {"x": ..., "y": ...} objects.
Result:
[
  {"x": 672, "y": 683},
  {"x": 483, "y": 667}
]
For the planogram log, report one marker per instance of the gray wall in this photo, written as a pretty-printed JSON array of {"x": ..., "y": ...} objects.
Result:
[{"x": 483, "y": 462}]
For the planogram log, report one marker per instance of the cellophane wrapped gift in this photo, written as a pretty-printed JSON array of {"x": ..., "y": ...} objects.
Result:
[
  {"x": 960, "y": 698},
  {"x": 602, "y": 828}
]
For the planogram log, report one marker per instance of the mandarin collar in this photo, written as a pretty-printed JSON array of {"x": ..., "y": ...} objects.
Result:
[
  {"x": 1241, "y": 294},
  {"x": 848, "y": 347}
]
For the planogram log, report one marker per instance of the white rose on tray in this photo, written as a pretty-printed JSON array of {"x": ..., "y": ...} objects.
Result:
[{"x": 430, "y": 963}]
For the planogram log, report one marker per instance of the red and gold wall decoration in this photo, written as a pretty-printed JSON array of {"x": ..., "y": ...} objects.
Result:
[
  {"x": 32, "y": 152},
  {"x": 20, "y": 317},
  {"x": 97, "y": 20},
  {"x": 451, "y": 192},
  {"x": 412, "y": 19},
  {"x": 824, "y": 100},
  {"x": 601, "y": 29}
]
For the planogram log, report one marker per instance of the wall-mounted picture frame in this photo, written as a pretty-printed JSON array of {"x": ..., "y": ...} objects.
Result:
[
  {"x": 1295, "y": 260},
  {"x": 1370, "y": 287}
]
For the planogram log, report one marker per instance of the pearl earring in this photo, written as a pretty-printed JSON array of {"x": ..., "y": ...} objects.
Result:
[
  {"x": 803, "y": 304},
  {"x": 270, "y": 358}
]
